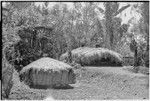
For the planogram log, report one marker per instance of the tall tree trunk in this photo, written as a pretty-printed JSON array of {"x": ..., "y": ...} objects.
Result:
[
  {"x": 69, "y": 56},
  {"x": 109, "y": 31},
  {"x": 69, "y": 52},
  {"x": 136, "y": 59}
]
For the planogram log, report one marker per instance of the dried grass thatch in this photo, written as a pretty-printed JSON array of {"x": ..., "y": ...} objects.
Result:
[
  {"x": 94, "y": 56},
  {"x": 47, "y": 72}
]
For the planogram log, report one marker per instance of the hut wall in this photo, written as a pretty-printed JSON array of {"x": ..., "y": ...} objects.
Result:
[
  {"x": 40, "y": 78},
  {"x": 71, "y": 77},
  {"x": 43, "y": 79},
  {"x": 57, "y": 77},
  {"x": 64, "y": 79},
  {"x": 34, "y": 77},
  {"x": 49, "y": 78},
  {"x": 46, "y": 78}
]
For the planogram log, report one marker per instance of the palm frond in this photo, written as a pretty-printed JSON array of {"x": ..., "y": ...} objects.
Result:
[{"x": 121, "y": 9}]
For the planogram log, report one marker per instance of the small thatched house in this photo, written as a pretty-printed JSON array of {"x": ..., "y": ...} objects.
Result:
[
  {"x": 94, "y": 57},
  {"x": 47, "y": 72}
]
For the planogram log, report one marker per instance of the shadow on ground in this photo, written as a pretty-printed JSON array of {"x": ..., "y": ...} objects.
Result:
[{"x": 51, "y": 87}]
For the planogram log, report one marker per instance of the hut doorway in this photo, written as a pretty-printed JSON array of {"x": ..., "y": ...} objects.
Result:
[{"x": 103, "y": 62}]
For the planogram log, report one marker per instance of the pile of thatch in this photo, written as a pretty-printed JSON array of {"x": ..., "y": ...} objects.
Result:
[
  {"x": 94, "y": 56},
  {"x": 47, "y": 72}
]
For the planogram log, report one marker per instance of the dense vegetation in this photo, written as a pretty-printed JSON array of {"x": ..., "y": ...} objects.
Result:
[{"x": 30, "y": 31}]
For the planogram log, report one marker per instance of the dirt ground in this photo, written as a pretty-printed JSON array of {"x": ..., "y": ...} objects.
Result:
[{"x": 93, "y": 83}]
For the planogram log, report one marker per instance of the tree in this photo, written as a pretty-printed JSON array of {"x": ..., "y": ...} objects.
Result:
[
  {"x": 145, "y": 14},
  {"x": 9, "y": 38},
  {"x": 111, "y": 11},
  {"x": 142, "y": 29}
]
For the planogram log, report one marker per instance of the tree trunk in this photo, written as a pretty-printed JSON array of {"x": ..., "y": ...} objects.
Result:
[
  {"x": 109, "y": 31},
  {"x": 111, "y": 10},
  {"x": 69, "y": 56},
  {"x": 136, "y": 59}
]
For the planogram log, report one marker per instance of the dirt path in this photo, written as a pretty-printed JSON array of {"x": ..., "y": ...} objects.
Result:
[
  {"x": 97, "y": 83},
  {"x": 94, "y": 83},
  {"x": 114, "y": 70}
]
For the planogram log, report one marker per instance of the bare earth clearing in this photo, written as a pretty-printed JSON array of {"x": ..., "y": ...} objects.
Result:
[{"x": 92, "y": 83}]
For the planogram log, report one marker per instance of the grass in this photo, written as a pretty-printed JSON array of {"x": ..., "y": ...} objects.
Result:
[
  {"x": 94, "y": 56},
  {"x": 92, "y": 84},
  {"x": 142, "y": 69}
]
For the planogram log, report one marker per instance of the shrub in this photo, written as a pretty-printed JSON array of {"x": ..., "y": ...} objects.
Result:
[
  {"x": 33, "y": 44},
  {"x": 7, "y": 75},
  {"x": 75, "y": 65},
  {"x": 128, "y": 61}
]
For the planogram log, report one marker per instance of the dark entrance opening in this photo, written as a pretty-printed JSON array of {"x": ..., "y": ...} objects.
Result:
[{"x": 104, "y": 62}]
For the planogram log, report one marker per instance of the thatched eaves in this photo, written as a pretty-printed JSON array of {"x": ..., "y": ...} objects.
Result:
[{"x": 46, "y": 64}]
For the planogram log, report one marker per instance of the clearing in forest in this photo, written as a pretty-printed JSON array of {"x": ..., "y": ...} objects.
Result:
[{"x": 95, "y": 83}]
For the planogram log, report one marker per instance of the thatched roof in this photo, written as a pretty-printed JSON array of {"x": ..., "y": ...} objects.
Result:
[
  {"x": 46, "y": 64},
  {"x": 87, "y": 55}
]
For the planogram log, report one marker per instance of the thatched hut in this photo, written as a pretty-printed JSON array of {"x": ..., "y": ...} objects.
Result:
[
  {"x": 94, "y": 57},
  {"x": 47, "y": 72}
]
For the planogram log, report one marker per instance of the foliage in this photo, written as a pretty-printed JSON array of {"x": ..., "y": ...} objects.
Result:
[
  {"x": 72, "y": 28},
  {"x": 111, "y": 11},
  {"x": 141, "y": 33},
  {"x": 7, "y": 74},
  {"x": 33, "y": 41},
  {"x": 30, "y": 32}
]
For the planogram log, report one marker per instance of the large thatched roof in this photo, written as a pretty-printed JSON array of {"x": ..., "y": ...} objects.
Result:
[
  {"x": 87, "y": 55},
  {"x": 46, "y": 64}
]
